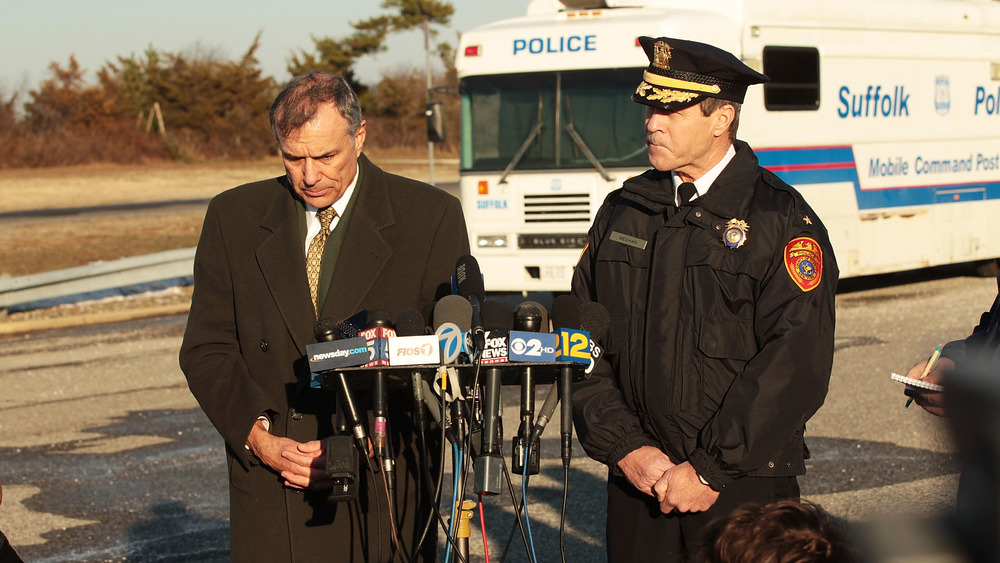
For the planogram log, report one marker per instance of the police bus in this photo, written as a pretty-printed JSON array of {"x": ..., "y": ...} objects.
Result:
[{"x": 884, "y": 114}]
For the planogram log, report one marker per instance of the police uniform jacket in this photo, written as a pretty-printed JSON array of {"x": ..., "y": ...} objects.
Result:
[
  {"x": 244, "y": 348},
  {"x": 982, "y": 347},
  {"x": 714, "y": 354}
]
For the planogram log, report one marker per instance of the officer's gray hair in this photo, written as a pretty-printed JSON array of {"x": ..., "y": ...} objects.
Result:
[
  {"x": 301, "y": 98},
  {"x": 709, "y": 105}
]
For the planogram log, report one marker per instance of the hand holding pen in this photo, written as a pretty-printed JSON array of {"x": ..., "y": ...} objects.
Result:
[{"x": 927, "y": 369}]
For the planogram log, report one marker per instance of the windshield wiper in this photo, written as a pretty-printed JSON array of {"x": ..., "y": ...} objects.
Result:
[
  {"x": 536, "y": 131},
  {"x": 578, "y": 141}
]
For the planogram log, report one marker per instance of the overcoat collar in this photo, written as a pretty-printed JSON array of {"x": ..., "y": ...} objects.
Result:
[
  {"x": 365, "y": 252},
  {"x": 281, "y": 259},
  {"x": 364, "y": 255}
]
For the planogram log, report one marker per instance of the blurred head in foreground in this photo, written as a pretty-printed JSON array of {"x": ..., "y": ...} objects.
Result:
[{"x": 782, "y": 532}]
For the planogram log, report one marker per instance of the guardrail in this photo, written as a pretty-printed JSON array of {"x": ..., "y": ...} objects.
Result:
[{"x": 100, "y": 276}]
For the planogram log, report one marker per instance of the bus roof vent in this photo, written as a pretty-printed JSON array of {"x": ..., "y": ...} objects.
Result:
[{"x": 596, "y": 4}]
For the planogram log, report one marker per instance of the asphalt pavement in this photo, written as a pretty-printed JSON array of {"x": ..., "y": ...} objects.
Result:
[{"x": 105, "y": 455}]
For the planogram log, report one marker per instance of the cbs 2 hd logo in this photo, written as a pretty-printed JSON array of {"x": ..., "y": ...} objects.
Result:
[{"x": 532, "y": 346}]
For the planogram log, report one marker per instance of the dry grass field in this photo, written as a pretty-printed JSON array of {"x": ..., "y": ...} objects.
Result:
[{"x": 31, "y": 245}]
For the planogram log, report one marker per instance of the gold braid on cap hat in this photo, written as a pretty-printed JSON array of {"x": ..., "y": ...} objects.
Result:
[
  {"x": 664, "y": 95},
  {"x": 667, "y": 82}
]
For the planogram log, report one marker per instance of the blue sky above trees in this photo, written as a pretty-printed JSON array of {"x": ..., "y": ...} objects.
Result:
[{"x": 37, "y": 33}]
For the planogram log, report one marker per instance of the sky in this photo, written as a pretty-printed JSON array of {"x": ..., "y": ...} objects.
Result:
[{"x": 35, "y": 33}]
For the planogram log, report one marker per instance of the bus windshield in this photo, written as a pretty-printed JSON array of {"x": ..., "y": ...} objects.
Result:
[{"x": 552, "y": 120}]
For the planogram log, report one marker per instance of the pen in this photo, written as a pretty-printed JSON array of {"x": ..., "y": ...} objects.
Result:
[{"x": 927, "y": 369}]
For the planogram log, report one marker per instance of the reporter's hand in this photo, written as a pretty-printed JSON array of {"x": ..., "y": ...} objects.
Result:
[
  {"x": 931, "y": 401},
  {"x": 301, "y": 465},
  {"x": 644, "y": 467}
]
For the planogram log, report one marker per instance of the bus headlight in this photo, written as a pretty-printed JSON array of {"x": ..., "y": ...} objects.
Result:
[{"x": 491, "y": 241}]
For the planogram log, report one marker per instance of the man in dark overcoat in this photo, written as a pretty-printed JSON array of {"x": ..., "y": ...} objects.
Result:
[{"x": 389, "y": 243}]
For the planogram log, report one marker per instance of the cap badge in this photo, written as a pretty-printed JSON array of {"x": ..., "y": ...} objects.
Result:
[
  {"x": 661, "y": 55},
  {"x": 736, "y": 233}
]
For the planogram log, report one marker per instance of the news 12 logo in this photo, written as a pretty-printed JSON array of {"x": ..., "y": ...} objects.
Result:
[
  {"x": 532, "y": 346},
  {"x": 573, "y": 346}
]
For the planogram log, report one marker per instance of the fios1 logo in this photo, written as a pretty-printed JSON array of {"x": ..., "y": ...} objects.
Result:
[{"x": 532, "y": 346}]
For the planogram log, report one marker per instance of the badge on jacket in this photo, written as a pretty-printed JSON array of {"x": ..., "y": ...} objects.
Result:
[
  {"x": 736, "y": 233},
  {"x": 804, "y": 262}
]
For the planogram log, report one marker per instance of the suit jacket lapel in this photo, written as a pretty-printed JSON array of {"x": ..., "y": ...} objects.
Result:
[
  {"x": 365, "y": 252},
  {"x": 281, "y": 259}
]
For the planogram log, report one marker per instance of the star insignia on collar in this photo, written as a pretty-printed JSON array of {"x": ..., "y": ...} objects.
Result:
[{"x": 807, "y": 220}]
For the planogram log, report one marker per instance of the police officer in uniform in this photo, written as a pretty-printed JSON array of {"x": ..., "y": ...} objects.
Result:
[{"x": 720, "y": 281}]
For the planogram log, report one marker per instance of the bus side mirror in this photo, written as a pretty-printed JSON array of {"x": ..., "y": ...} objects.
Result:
[{"x": 435, "y": 122}]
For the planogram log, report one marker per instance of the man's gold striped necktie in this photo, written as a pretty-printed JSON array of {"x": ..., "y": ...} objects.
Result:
[{"x": 314, "y": 258}]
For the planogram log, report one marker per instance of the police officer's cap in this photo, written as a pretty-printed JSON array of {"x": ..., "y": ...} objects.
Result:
[{"x": 683, "y": 73}]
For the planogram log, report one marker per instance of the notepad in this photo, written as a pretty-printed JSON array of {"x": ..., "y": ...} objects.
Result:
[{"x": 916, "y": 382}]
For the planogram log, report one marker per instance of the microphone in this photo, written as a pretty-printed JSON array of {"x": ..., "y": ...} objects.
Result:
[
  {"x": 353, "y": 325},
  {"x": 545, "y": 415},
  {"x": 527, "y": 318},
  {"x": 411, "y": 323},
  {"x": 469, "y": 282},
  {"x": 566, "y": 315},
  {"x": 594, "y": 318},
  {"x": 378, "y": 332},
  {"x": 326, "y": 330},
  {"x": 489, "y": 464},
  {"x": 452, "y": 319},
  {"x": 453, "y": 309},
  {"x": 412, "y": 345}
]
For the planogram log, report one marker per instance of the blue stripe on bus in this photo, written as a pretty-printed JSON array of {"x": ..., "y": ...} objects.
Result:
[{"x": 820, "y": 165}]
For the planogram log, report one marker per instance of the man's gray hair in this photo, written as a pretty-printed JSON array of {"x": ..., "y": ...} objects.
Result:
[
  {"x": 709, "y": 105},
  {"x": 301, "y": 98}
]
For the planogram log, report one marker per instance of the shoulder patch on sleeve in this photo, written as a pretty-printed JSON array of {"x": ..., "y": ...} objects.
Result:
[{"x": 804, "y": 262}]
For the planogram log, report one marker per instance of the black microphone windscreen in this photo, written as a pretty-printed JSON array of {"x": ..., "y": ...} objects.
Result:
[
  {"x": 527, "y": 317},
  {"x": 534, "y": 305},
  {"x": 565, "y": 312},
  {"x": 351, "y": 326},
  {"x": 469, "y": 278},
  {"x": 379, "y": 318},
  {"x": 453, "y": 309},
  {"x": 594, "y": 318},
  {"x": 497, "y": 316},
  {"x": 411, "y": 323},
  {"x": 326, "y": 330},
  {"x": 427, "y": 311}
]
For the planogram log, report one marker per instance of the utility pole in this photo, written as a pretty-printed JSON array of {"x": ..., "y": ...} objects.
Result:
[{"x": 430, "y": 73}]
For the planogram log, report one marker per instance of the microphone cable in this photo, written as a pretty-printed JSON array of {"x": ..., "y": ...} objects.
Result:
[
  {"x": 437, "y": 497},
  {"x": 425, "y": 481},
  {"x": 393, "y": 530},
  {"x": 562, "y": 514},
  {"x": 378, "y": 508},
  {"x": 528, "y": 548},
  {"x": 452, "y": 527},
  {"x": 524, "y": 500},
  {"x": 482, "y": 528}
]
